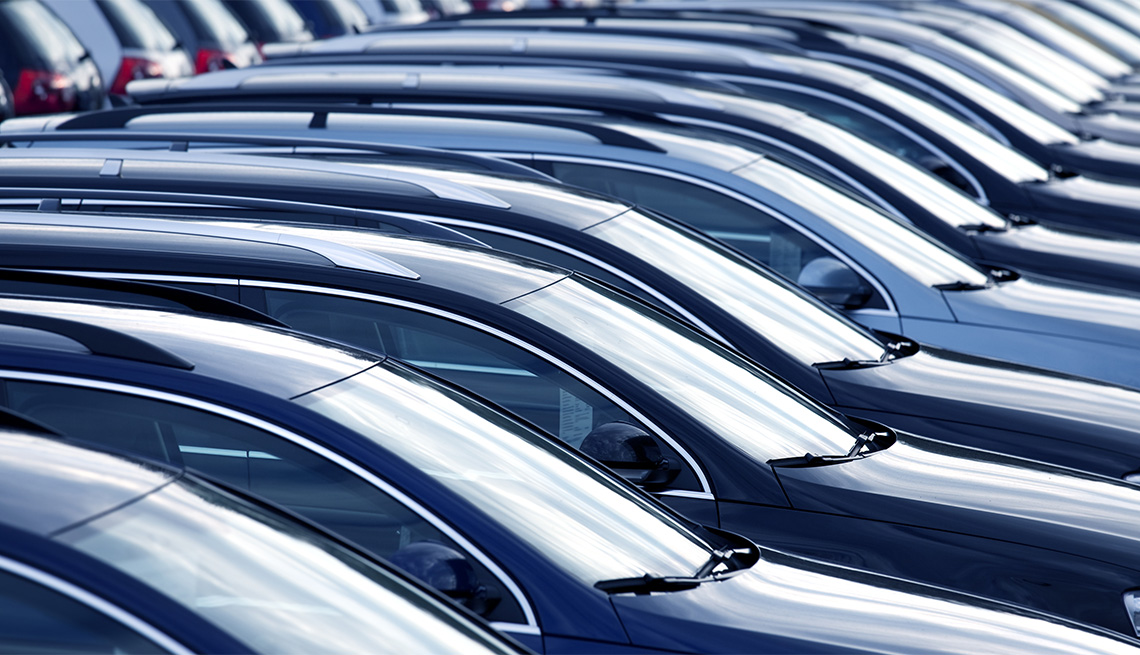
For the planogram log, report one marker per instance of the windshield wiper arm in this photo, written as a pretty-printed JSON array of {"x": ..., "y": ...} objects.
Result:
[
  {"x": 960, "y": 286},
  {"x": 647, "y": 584},
  {"x": 847, "y": 363}
]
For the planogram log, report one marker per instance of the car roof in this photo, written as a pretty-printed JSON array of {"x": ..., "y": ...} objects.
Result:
[
  {"x": 475, "y": 271},
  {"x": 420, "y": 189},
  {"x": 163, "y": 169},
  {"x": 266, "y": 359},
  {"x": 47, "y": 484}
]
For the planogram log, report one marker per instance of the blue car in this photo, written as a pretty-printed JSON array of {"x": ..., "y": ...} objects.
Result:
[
  {"x": 896, "y": 121},
  {"x": 546, "y": 545},
  {"x": 704, "y": 429},
  {"x": 104, "y": 553}
]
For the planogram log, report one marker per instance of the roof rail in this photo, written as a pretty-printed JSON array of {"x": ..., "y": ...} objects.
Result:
[
  {"x": 99, "y": 340},
  {"x": 394, "y": 178},
  {"x": 406, "y": 83},
  {"x": 118, "y": 118},
  {"x": 180, "y": 143},
  {"x": 191, "y": 300},
  {"x": 340, "y": 255},
  {"x": 49, "y": 199}
]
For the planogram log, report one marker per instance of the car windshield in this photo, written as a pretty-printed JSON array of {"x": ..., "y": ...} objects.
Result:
[
  {"x": 797, "y": 323},
  {"x": 790, "y": 318},
  {"x": 918, "y": 255},
  {"x": 999, "y": 157},
  {"x": 1032, "y": 124},
  {"x": 587, "y": 522},
  {"x": 736, "y": 399},
  {"x": 1064, "y": 76},
  {"x": 271, "y": 583},
  {"x": 943, "y": 201},
  {"x": 51, "y": 40}
]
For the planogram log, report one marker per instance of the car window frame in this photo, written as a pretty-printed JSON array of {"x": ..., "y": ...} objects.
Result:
[{"x": 508, "y": 583}]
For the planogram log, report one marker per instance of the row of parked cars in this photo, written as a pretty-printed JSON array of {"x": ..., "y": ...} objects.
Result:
[{"x": 753, "y": 326}]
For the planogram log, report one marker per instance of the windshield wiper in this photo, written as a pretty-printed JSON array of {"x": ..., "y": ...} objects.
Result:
[
  {"x": 847, "y": 364},
  {"x": 960, "y": 285},
  {"x": 647, "y": 584},
  {"x": 651, "y": 583}
]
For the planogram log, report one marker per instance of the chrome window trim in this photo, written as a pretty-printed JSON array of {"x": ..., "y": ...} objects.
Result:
[
  {"x": 96, "y": 603},
  {"x": 735, "y": 195},
  {"x": 554, "y": 245},
  {"x": 752, "y": 134},
  {"x": 980, "y": 191},
  {"x": 879, "y": 69},
  {"x": 303, "y": 442}
]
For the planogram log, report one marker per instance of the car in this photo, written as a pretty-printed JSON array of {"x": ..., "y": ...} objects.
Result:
[
  {"x": 396, "y": 459},
  {"x": 918, "y": 71},
  {"x": 126, "y": 40},
  {"x": 941, "y": 394},
  {"x": 709, "y": 432},
  {"x": 209, "y": 31},
  {"x": 984, "y": 323},
  {"x": 87, "y": 565},
  {"x": 900, "y": 123},
  {"x": 46, "y": 67}
]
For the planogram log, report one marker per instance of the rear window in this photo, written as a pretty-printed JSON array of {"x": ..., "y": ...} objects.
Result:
[
  {"x": 39, "y": 37},
  {"x": 212, "y": 21},
  {"x": 136, "y": 25}
]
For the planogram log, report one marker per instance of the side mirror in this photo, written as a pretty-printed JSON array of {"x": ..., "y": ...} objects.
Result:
[
  {"x": 632, "y": 453},
  {"x": 448, "y": 571},
  {"x": 834, "y": 282}
]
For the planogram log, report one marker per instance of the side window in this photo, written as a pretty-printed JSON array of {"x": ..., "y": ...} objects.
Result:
[
  {"x": 35, "y": 619},
  {"x": 245, "y": 457},
  {"x": 487, "y": 365},
  {"x": 747, "y": 228}
]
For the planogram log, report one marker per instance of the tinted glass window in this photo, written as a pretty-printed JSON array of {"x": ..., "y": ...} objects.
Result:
[
  {"x": 136, "y": 25},
  {"x": 33, "y": 25},
  {"x": 35, "y": 619},
  {"x": 212, "y": 21},
  {"x": 240, "y": 455}
]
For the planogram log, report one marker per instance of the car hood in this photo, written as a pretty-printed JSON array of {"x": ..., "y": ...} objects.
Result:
[
  {"x": 1037, "y": 305},
  {"x": 786, "y": 604},
  {"x": 1091, "y": 203},
  {"x": 1079, "y": 254},
  {"x": 1107, "y": 157},
  {"x": 1080, "y": 422},
  {"x": 931, "y": 484}
]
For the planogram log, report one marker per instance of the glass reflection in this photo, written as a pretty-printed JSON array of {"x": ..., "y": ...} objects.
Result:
[
  {"x": 1006, "y": 161},
  {"x": 797, "y": 324},
  {"x": 273, "y": 585},
  {"x": 918, "y": 255},
  {"x": 589, "y": 524},
  {"x": 943, "y": 201},
  {"x": 1030, "y": 123},
  {"x": 745, "y": 406}
]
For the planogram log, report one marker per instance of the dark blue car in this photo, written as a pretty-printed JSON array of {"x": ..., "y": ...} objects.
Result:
[
  {"x": 549, "y": 547},
  {"x": 708, "y": 431}
]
